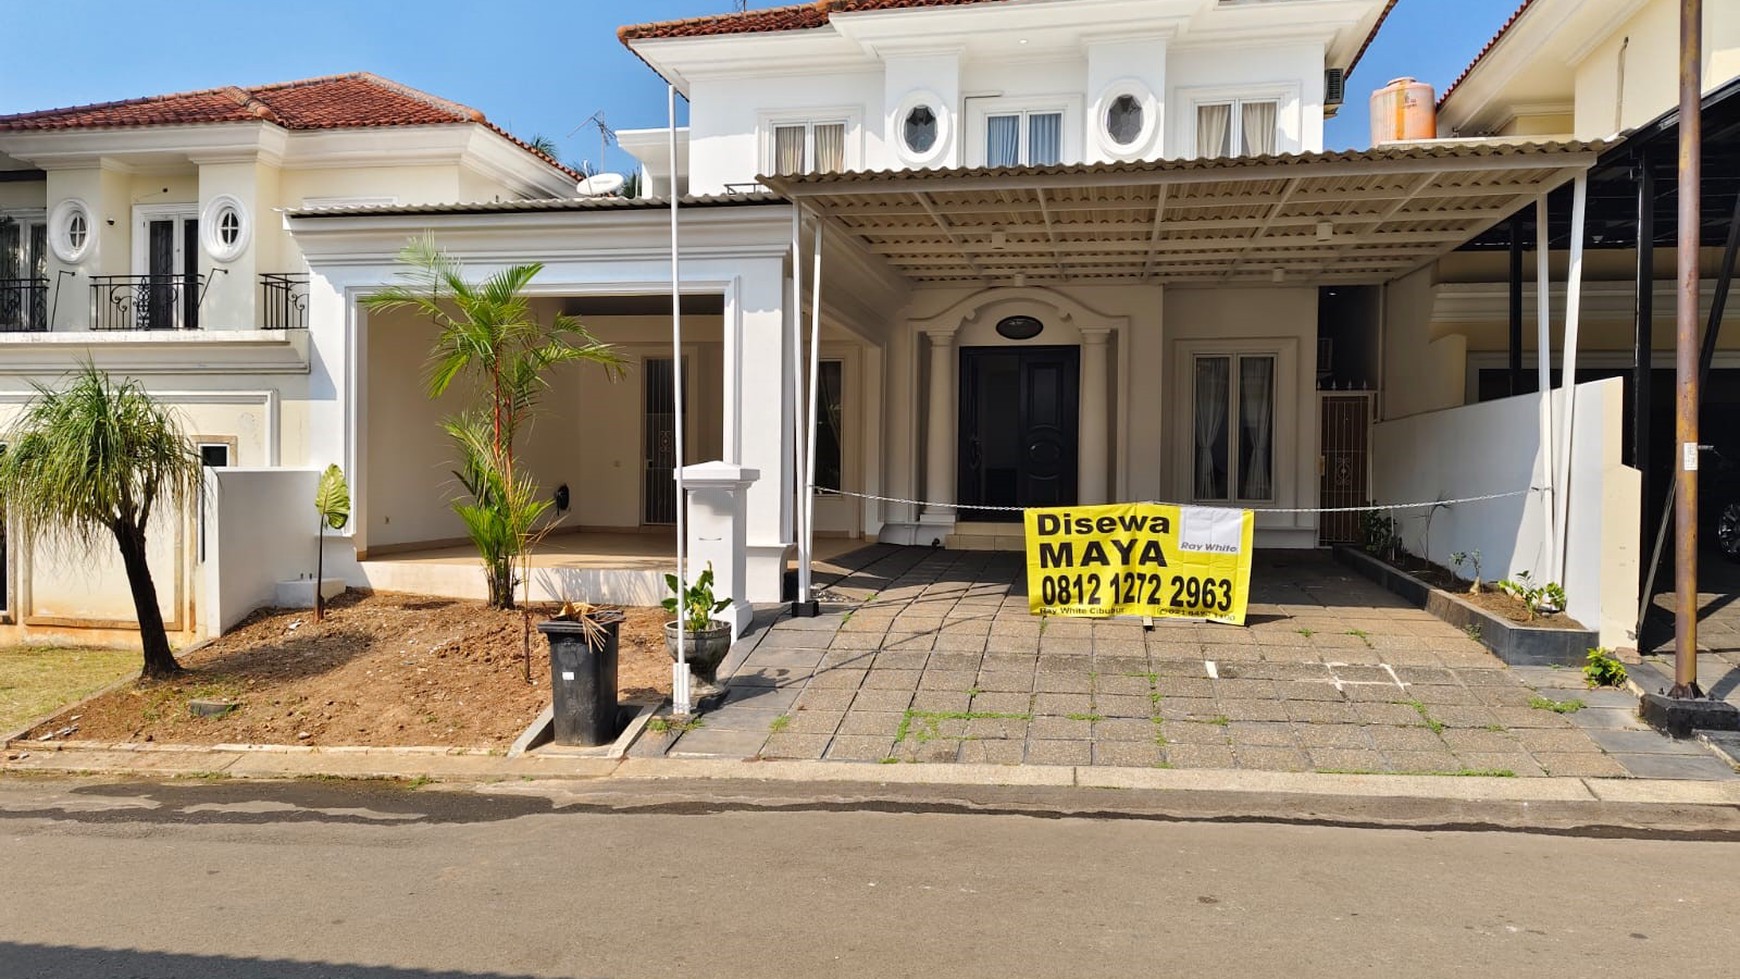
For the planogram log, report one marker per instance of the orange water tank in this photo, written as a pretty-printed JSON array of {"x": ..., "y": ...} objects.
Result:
[{"x": 1404, "y": 109}]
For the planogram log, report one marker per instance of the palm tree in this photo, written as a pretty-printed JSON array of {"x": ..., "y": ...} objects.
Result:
[
  {"x": 489, "y": 333},
  {"x": 95, "y": 458}
]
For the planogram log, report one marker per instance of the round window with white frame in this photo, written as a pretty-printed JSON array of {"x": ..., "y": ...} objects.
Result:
[
  {"x": 1127, "y": 115},
  {"x": 922, "y": 128},
  {"x": 70, "y": 234},
  {"x": 224, "y": 228}
]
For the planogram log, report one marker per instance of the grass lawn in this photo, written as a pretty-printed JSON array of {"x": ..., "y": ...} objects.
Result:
[{"x": 34, "y": 680}]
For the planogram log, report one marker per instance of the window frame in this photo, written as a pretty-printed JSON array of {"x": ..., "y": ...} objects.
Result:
[
  {"x": 1233, "y": 427},
  {"x": 1289, "y": 114},
  {"x": 200, "y": 444},
  {"x": 1285, "y": 436},
  {"x": 980, "y": 109},
  {"x": 850, "y": 117}
]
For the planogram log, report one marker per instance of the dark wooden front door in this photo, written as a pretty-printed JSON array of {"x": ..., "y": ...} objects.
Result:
[
  {"x": 1346, "y": 464},
  {"x": 1019, "y": 407}
]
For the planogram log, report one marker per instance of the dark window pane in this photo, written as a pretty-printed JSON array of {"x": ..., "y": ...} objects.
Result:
[
  {"x": 1210, "y": 429},
  {"x": 830, "y": 430}
]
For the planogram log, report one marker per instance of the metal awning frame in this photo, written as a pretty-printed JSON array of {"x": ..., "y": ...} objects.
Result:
[{"x": 1319, "y": 219}]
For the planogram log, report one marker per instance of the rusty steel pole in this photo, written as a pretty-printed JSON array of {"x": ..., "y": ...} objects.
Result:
[{"x": 1690, "y": 237}]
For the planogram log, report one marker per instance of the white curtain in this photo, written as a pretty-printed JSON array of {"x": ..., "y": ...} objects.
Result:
[
  {"x": 1256, "y": 427},
  {"x": 1257, "y": 123},
  {"x": 788, "y": 150},
  {"x": 830, "y": 148},
  {"x": 1213, "y": 131},
  {"x": 1045, "y": 139},
  {"x": 1211, "y": 395},
  {"x": 1002, "y": 141}
]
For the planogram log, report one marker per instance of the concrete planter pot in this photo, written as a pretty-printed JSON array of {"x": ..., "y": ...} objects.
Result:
[
  {"x": 704, "y": 649},
  {"x": 1517, "y": 643}
]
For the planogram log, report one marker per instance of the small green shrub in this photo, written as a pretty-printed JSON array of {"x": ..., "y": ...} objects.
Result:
[
  {"x": 1548, "y": 597},
  {"x": 1383, "y": 534},
  {"x": 1601, "y": 669}
]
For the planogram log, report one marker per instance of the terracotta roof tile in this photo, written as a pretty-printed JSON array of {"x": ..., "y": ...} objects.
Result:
[
  {"x": 797, "y": 17},
  {"x": 333, "y": 102},
  {"x": 353, "y": 101}
]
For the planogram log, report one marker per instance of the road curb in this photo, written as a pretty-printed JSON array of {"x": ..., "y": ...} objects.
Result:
[{"x": 274, "y": 762}]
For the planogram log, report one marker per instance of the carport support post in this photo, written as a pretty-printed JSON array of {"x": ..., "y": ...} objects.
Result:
[
  {"x": 1515, "y": 362},
  {"x": 806, "y": 604},
  {"x": 1568, "y": 368},
  {"x": 1690, "y": 237},
  {"x": 1544, "y": 366},
  {"x": 1643, "y": 337}
]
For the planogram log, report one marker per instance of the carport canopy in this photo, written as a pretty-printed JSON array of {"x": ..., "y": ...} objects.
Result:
[{"x": 1348, "y": 218}]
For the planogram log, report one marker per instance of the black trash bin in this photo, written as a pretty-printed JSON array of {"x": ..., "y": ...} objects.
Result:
[{"x": 583, "y": 678}]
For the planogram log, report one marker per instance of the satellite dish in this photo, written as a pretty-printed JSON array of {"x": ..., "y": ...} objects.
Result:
[{"x": 601, "y": 185}]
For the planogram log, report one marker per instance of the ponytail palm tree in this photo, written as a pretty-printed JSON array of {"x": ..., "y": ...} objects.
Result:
[
  {"x": 490, "y": 336},
  {"x": 97, "y": 458}
]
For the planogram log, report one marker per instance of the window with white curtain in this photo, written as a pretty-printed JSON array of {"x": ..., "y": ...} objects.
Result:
[
  {"x": 1237, "y": 126},
  {"x": 1233, "y": 428},
  {"x": 1015, "y": 139},
  {"x": 808, "y": 147}
]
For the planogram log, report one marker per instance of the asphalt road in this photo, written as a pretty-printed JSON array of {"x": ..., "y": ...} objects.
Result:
[{"x": 304, "y": 880}]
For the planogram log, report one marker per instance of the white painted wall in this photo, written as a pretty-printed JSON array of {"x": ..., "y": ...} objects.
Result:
[
  {"x": 1172, "y": 54},
  {"x": 260, "y": 530},
  {"x": 1494, "y": 447}
]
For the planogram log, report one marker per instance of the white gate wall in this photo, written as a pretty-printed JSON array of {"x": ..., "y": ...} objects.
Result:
[{"x": 1495, "y": 447}]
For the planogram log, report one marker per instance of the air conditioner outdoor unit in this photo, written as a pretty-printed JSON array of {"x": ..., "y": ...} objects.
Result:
[{"x": 1334, "y": 90}]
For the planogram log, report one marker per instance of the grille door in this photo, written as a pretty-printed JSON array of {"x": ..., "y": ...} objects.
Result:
[
  {"x": 1345, "y": 465},
  {"x": 659, "y": 483}
]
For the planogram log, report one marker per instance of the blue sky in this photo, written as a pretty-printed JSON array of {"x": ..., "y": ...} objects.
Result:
[{"x": 532, "y": 67}]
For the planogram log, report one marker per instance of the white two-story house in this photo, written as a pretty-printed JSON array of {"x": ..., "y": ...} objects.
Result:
[
  {"x": 1052, "y": 252},
  {"x": 147, "y": 237}
]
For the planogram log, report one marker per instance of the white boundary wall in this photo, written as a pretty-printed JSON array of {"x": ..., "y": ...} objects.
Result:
[
  {"x": 1495, "y": 447},
  {"x": 260, "y": 527}
]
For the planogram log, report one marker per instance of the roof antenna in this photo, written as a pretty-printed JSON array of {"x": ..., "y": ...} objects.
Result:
[
  {"x": 742, "y": 6},
  {"x": 606, "y": 136}
]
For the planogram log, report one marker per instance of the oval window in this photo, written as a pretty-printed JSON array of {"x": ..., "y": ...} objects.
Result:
[
  {"x": 1019, "y": 327},
  {"x": 229, "y": 227},
  {"x": 1124, "y": 119},
  {"x": 919, "y": 129}
]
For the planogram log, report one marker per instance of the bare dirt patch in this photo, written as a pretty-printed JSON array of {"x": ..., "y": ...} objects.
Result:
[
  {"x": 380, "y": 670},
  {"x": 1488, "y": 598}
]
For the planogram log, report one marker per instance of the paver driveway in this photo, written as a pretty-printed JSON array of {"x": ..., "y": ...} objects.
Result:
[{"x": 933, "y": 656}]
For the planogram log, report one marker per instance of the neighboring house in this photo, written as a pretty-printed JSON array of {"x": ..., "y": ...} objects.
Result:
[
  {"x": 1071, "y": 252},
  {"x": 146, "y": 236}
]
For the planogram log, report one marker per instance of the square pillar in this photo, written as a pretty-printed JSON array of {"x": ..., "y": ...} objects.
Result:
[{"x": 718, "y": 508}]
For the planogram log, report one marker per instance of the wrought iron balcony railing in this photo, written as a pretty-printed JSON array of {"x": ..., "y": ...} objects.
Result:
[
  {"x": 283, "y": 301},
  {"x": 146, "y": 302},
  {"x": 23, "y": 305}
]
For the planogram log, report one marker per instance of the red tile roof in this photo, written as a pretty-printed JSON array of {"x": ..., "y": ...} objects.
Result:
[
  {"x": 1502, "y": 32},
  {"x": 356, "y": 100},
  {"x": 333, "y": 102},
  {"x": 797, "y": 17}
]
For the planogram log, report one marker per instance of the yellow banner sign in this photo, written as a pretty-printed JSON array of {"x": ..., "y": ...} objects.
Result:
[{"x": 1139, "y": 559}]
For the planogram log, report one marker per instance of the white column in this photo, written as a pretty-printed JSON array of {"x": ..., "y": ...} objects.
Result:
[
  {"x": 718, "y": 535},
  {"x": 1093, "y": 459},
  {"x": 940, "y": 458}
]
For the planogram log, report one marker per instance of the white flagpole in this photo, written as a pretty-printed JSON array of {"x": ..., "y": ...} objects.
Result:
[
  {"x": 806, "y": 593},
  {"x": 680, "y": 679}
]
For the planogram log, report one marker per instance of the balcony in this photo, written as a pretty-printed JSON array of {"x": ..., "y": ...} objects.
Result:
[
  {"x": 283, "y": 301},
  {"x": 23, "y": 305},
  {"x": 146, "y": 302}
]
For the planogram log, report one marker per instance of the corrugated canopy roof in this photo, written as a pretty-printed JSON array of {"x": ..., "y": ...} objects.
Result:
[{"x": 1363, "y": 217}]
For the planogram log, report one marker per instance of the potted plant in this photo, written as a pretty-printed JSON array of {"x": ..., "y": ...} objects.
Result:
[
  {"x": 706, "y": 640},
  {"x": 583, "y": 643}
]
